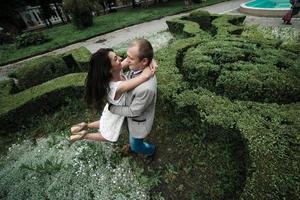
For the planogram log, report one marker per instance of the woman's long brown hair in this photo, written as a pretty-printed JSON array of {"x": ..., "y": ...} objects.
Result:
[{"x": 98, "y": 78}]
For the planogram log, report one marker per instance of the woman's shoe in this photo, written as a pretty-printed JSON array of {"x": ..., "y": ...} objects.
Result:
[{"x": 78, "y": 127}]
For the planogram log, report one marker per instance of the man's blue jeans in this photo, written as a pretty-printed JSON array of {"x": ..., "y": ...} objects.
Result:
[{"x": 138, "y": 145}]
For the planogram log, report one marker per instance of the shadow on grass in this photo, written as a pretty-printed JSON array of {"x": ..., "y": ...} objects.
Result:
[{"x": 205, "y": 163}]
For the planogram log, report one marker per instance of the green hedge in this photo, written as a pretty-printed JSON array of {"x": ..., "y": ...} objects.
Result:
[
  {"x": 39, "y": 70},
  {"x": 31, "y": 38},
  {"x": 78, "y": 59},
  {"x": 17, "y": 109},
  {"x": 252, "y": 35},
  {"x": 228, "y": 25},
  {"x": 241, "y": 70},
  {"x": 6, "y": 87},
  {"x": 28, "y": 92},
  {"x": 202, "y": 18},
  {"x": 270, "y": 130},
  {"x": 184, "y": 27}
]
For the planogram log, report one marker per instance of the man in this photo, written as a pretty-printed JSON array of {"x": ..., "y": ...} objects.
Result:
[{"x": 140, "y": 102}]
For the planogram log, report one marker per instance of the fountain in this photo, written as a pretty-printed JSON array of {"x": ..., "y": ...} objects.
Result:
[{"x": 266, "y": 8}]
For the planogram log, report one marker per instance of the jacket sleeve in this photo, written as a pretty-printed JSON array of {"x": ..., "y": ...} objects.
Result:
[{"x": 139, "y": 104}]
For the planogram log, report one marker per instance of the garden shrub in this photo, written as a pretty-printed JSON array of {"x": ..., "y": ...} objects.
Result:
[
  {"x": 226, "y": 25},
  {"x": 18, "y": 108},
  {"x": 39, "y": 71},
  {"x": 77, "y": 60},
  {"x": 266, "y": 178},
  {"x": 184, "y": 28},
  {"x": 81, "y": 12},
  {"x": 31, "y": 38},
  {"x": 241, "y": 70},
  {"x": 291, "y": 47},
  {"x": 199, "y": 69},
  {"x": 6, "y": 87},
  {"x": 33, "y": 76},
  {"x": 270, "y": 130},
  {"x": 252, "y": 35},
  {"x": 201, "y": 17},
  {"x": 52, "y": 169}
]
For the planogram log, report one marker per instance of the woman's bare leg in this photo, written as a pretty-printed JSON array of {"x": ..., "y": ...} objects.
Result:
[
  {"x": 95, "y": 137},
  {"x": 94, "y": 124},
  {"x": 83, "y": 126},
  {"x": 89, "y": 136}
]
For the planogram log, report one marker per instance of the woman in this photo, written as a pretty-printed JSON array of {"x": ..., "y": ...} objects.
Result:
[
  {"x": 105, "y": 79},
  {"x": 292, "y": 12}
]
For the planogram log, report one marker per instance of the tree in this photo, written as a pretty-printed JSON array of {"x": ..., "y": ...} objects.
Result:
[
  {"x": 10, "y": 19},
  {"x": 47, "y": 12},
  {"x": 81, "y": 12}
]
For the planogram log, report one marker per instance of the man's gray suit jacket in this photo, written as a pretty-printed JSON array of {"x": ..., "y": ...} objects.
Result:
[{"x": 139, "y": 108}]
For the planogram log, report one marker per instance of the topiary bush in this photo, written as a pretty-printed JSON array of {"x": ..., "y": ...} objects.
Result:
[
  {"x": 7, "y": 87},
  {"x": 45, "y": 68},
  {"x": 242, "y": 70},
  {"x": 81, "y": 12},
  {"x": 246, "y": 62},
  {"x": 17, "y": 109},
  {"x": 39, "y": 71},
  {"x": 77, "y": 59},
  {"x": 201, "y": 17},
  {"x": 31, "y": 38}
]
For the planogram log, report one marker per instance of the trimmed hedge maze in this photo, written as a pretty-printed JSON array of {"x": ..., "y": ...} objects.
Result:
[
  {"x": 219, "y": 75},
  {"x": 41, "y": 86},
  {"x": 232, "y": 78}
]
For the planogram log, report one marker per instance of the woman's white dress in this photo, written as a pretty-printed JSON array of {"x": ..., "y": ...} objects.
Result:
[{"x": 110, "y": 124}]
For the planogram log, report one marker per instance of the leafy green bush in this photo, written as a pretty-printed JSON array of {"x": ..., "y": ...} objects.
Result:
[
  {"x": 241, "y": 70},
  {"x": 17, "y": 109},
  {"x": 39, "y": 71},
  {"x": 270, "y": 130},
  {"x": 6, "y": 87},
  {"x": 31, "y": 38},
  {"x": 184, "y": 28},
  {"x": 202, "y": 18},
  {"x": 77, "y": 60},
  {"x": 81, "y": 12},
  {"x": 52, "y": 169},
  {"x": 226, "y": 25}
]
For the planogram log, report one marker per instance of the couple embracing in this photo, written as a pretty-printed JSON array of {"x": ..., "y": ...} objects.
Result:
[{"x": 131, "y": 98}]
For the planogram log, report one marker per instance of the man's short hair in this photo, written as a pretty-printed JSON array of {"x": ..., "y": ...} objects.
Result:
[{"x": 145, "y": 48}]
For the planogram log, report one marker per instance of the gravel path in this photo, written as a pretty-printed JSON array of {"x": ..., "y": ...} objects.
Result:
[{"x": 150, "y": 28}]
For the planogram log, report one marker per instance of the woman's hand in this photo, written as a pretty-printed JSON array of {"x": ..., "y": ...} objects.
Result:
[
  {"x": 151, "y": 70},
  {"x": 148, "y": 72},
  {"x": 153, "y": 65},
  {"x": 124, "y": 63}
]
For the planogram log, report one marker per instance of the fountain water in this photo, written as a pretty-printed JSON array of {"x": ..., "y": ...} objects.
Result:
[{"x": 266, "y": 8}]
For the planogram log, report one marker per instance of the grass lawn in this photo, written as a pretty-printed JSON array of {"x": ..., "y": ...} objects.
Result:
[{"x": 68, "y": 34}]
